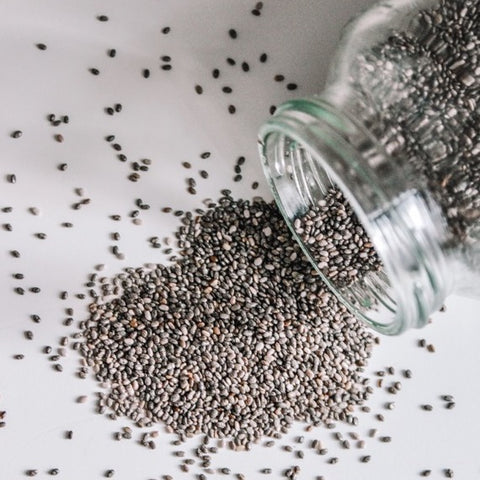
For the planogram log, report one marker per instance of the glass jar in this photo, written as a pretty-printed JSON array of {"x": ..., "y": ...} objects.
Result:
[{"x": 394, "y": 140}]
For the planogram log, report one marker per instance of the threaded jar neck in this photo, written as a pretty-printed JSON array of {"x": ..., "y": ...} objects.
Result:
[{"x": 307, "y": 148}]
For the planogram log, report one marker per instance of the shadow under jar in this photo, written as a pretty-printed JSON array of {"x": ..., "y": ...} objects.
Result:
[{"x": 378, "y": 177}]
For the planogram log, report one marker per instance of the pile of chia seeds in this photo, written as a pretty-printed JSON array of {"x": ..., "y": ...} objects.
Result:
[
  {"x": 419, "y": 96},
  {"x": 238, "y": 338}
]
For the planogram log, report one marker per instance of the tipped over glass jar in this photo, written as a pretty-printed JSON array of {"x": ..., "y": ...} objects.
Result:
[{"x": 378, "y": 177}]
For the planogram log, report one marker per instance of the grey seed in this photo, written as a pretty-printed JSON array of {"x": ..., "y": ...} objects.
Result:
[
  {"x": 333, "y": 460},
  {"x": 447, "y": 398},
  {"x": 390, "y": 405},
  {"x": 288, "y": 448},
  {"x": 18, "y": 276},
  {"x": 63, "y": 295},
  {"x": 15, "y": 253},
  {"x": 224, "y": 470},
  {"x": 41, "y": 236},
  {"x": 31, "y": 473},
  {"x": 146, "y": 73},
  {"x": 34, "y": 210},
  {"x": 269, "y": 443},
  {"x": 266, "y": 471},
  {"x": 390, "y": 370},
  {"x": 365, "y": 459},
  {"x": 41, "y": 46},
  {"x": 198, "y": 89},
  {"x": 407, "y": 373},
  {"x": 47, "y": 350},
  {"x": 448, "y": 473},
  {"x": 54, "y": 471},
  {"x": 19, "y": 356},
  {"x": 422, "y": 343},
  {"x": 8, "y": 227},
  {"x": 58, "y": 367},
  {"x": 94, "y": 71},
  {"x": 361, "y": 444},
  {"x": 346, "y": 444},
  {"x": 323, "y": 451},
  {"x": 28, "y": 334},
  {"x": 450, "y": 405},
  {"x": 110, "y": 473},
  {"x": 16, "y": 134},
  {"x": 69, "y": 434},
  {"x": 82, "y": 399},
  {"x": 300, "y": 453},
  {"x": 12, "y": 178},
  {"x": 425, "y": 473},
  {"x": 385, "y": 439},
  {"x": 380, "y": 417},
  {"x": 427, "y": 407}
]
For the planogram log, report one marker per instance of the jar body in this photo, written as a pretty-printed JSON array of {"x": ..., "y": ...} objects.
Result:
[{"x": 397, "y": 132}]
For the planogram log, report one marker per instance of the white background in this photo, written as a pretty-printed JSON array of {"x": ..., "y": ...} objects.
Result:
[{"x": 165, "y": 120}]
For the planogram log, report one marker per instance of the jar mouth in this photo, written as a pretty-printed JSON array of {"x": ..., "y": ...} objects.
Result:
[{"x": 306, "y": 150}]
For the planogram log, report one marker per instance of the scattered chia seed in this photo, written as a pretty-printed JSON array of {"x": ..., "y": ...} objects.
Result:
[
  {"x": 41, "y": 46},
  {"x": 17, "y": 134},
  {"x": 102, "y": 18},
  {"x": 94, "y": 71},
  {"x": 146, "y": 73}
]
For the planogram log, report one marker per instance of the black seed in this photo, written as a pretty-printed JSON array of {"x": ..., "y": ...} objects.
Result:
[
  {"x": 54, "y": 471},
  {"x": 259, "y": 5},
  {"x": 122, "y": 157},
  {"x": 272, "y": 109},
  {"x": 19, "y": 356},
  {"x": 62, "y": 167},
  {"x": 112, "y": 53},
  {"x": 203, "y": 173},
  {"x": 178, "y": 213},
  {"x": 292, "y": 86},
  {"x": 167, "y": 66},
  {"x": 7, "y": 227},
  {"x": 241, "y": 160},
  {"x": 256, "y": 12},
  {"x": 233, "y": 33},
  {"x": 231, "y": 109},
  {"x": 448, "y": 472},
  {"x": 199, "y": 89},
  {"x": 237, "y": 178},
  {"x": 231, "y": 61},
  {"x": 254, "y": 185},
  {"x": 117, "y": 147},
  {"x": 109, "y": 111},
  {"x": 263, "y": 57},
  {"x": 146, "y": 73},
  {"x": 166, "y": 30},
  {"x": 17, "y": 134},
  {"x": 186, "y": 165},
  {"x": 227, "y": 89},
  {"x": 32, "y": 473},
  {"x": 19, "y": 290},
  {"x": 166, "y": 58},
  {"x": 215, "y": 73},
  {"x": 35, "y": 318},
  {"x": 109, "y": 473},
  {"x": 41, "y": 46},
  {"x": 69, "y": 434},
  {"x": 425, "y": 473},
  {"x": 192, "y": 191},
  {"x": 102, "y": 18},
  {"x": 205, "y": 155},
  {"x": 66, "y": 119},
  {"x": 279, "y": 78},
  {"x": 18, "y": 276},
  {"x": 63, "y": 295},
  {"x": 56, "y": 123},
  {"x": 35, "y": 289},
  {"x": 67, "y": 224},
  {"x": 110, "y": 138},
  {"x": 15, "y": 253},
  {"x": 28, "y": 334},
  {"x": 118, "y": 107},
  {"x": 7, "y": 209},
  {"x": 12, "y": 178},
  {"x": 237, "y": 169},
  {"x": 51, "y": 117},
  {"x": 245, "y": 67},
  {"x": 94, "y": 71}
]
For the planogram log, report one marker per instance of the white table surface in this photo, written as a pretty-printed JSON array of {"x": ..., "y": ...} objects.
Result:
[{"x": 165, "y": 120}]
